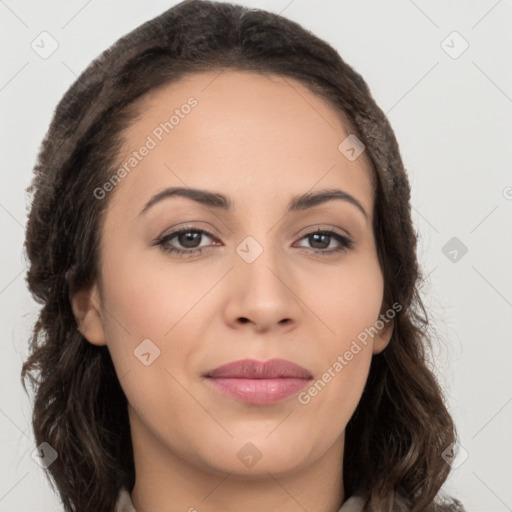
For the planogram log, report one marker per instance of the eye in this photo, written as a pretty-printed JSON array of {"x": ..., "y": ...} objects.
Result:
[
  {"x": 190, "y": 239},
  {"x": 321, "y": 240}
]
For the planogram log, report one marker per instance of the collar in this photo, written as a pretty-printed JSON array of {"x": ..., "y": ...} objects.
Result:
[{"x": 353, "y": 504}]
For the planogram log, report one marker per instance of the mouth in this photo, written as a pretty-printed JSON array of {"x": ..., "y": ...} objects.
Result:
[{"x": 259, "y": 382}]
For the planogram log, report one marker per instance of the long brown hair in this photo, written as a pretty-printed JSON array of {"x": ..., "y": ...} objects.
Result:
[{"x": 401, "y": 426}]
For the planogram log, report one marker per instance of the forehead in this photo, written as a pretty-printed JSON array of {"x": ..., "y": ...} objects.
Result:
[{"x": 239, "y": 131}]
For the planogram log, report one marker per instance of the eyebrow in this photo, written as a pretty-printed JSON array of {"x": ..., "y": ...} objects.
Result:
[{"x": 217, "y": 200}]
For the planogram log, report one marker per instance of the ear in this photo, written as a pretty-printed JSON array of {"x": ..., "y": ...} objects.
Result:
[
  {"x": 383, "y": 337},
  {"x": 87, "y": 310}
]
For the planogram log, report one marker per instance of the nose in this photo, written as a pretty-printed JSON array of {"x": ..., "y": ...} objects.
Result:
[{"x": 263, "y": 292}]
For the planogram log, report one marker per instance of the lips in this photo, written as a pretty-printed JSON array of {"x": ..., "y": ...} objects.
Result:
[
  {"x": 259, "y": 382},
  {"x": 251, "y": 369}
]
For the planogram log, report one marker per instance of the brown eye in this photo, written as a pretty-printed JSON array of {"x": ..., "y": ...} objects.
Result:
[
  {"x": 320, "y": 241},
  {"x": 189, "y": 239}
]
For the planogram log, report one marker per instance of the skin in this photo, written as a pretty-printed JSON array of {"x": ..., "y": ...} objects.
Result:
[{"x": 260, "y": 140}]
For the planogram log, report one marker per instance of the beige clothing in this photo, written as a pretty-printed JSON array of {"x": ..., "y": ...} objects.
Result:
[{"x": 353, "y": 504}]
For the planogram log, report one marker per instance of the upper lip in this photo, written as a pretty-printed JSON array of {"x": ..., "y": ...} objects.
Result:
[{"x": 252, "y": 369}]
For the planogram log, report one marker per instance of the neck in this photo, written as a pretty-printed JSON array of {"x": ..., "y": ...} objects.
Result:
[{"x": 168, "y": 483}]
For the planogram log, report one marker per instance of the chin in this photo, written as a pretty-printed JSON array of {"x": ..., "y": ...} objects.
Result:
[{"x": 253, "y": 459}]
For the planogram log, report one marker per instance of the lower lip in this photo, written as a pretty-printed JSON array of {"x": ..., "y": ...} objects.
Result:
[{"x": 258, "y": 391}]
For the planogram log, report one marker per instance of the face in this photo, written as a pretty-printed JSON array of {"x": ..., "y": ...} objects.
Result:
[{"x": 252, "y": 281}]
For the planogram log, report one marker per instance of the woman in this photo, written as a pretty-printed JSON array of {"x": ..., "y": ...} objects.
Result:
[{"x": 221, "y": 240}]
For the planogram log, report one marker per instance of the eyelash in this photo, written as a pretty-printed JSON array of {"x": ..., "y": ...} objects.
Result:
[{"x": 346, "y": 243}]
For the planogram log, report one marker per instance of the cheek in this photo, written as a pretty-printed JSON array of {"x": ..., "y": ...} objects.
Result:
[
  {"x": 148, "y": 318},
  {"x": 350, "y": 308},
  {"x": 157, "y": 310},
  {"x": 152, "y": 300},
  {"x": 352, "y": 300}
]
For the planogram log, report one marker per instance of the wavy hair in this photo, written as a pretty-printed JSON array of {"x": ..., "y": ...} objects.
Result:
[{"x": 396, "y": 436}]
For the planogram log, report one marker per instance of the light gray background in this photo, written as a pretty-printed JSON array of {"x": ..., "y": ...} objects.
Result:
[{"x": 452, "y": 118}]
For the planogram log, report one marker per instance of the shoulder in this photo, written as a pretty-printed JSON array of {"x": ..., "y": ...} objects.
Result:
[
  {"x": 357, "y": 503},
  {"x": 124, "y": 502}
]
